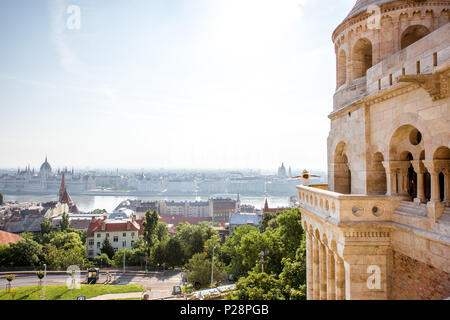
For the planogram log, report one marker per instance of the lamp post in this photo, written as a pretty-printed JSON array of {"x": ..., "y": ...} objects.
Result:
[
  {"x": 261, "y": 260},
  {"x": 123, "y": 245},
  {"x": 212, "y": 268},
  {"x": 45, "y": 275}
]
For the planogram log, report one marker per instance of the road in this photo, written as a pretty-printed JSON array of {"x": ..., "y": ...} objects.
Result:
[{"x": 160, "y": 283}]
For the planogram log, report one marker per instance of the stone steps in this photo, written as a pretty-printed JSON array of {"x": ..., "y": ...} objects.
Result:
[{"x": 411, "y": 209}]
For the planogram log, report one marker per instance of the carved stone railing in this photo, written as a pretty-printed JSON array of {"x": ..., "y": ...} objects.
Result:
[{"x": 346, "y": 207}]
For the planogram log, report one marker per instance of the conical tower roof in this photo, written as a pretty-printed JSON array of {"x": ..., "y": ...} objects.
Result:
[{"x": 363, "y": 5}]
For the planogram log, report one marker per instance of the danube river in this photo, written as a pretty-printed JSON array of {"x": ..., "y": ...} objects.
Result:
[{"x": 86, "y": 203}]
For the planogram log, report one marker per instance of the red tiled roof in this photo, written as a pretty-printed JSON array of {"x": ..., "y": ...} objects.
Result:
[
  {"x": 96, "y": 226},
  {"x": 7, "y": 238}
]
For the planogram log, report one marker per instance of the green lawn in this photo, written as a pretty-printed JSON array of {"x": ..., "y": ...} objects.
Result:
[{"x": 61, "y": 292}]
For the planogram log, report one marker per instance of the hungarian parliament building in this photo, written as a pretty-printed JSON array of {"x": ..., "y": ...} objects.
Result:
[
  {"x": 48, "y": 180},
  {"x": 45, "y": 181}
]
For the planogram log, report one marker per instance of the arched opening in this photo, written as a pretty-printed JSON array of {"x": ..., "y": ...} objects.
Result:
[
  {"x": 341, "y": 68},
  {"x": 405, "y": 141},
  {"x": 441, "y": 157},
  {"x": 427, "y": 185},
  {"x": 377, "y": 182},
  {"x": 413, "y": 34},
  {"x": 412, "y": 179},
  {"x": 342, "y": 173},
  {"x": 362, "y": 58}
]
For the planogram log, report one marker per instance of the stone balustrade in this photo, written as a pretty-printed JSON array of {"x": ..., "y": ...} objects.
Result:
[{"x": 347, "y": 207}]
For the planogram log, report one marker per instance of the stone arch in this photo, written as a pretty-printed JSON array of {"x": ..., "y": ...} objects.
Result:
[
  {"x": 412, "y": 34},
  {"x": 342, "y": 173},
  {"x": 341, "y": 68},
  {"x": 362, "y": 58},
  {"x": 405, "y": 141},
  {"x": 410, "y": 119},
  {"x": 444, "y": 17}
]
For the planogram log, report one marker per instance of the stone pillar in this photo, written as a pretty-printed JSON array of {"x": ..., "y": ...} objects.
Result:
[
  {"x": 315, "y": 273},
  {"x": 309, "y": 266},
  {"x": 323, "y": 271},
  {"x": 435, "y": 194},
  {"x": 403, "y": 181},
  {"x": 340, "y": 278},
  {"x": 420, "y": 170},
  {"x": 391, "y": 183},
  {"x": 331, "y": 285},
  {"x": 447, "y": 187},
  {"x": 435, "y": 207}
]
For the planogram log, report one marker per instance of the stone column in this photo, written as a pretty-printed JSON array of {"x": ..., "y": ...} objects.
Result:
[
  {"x": 447, "y": 187},
  {"x": 435, "y": 207},
  {"x": 420, "y": 170},
  {"x": 309, "y": 266},
  {"x": 340, "y": 278},
  {"x": 391, "y": 182},
  {"x": 316, "y": 282},
  {"x": 331, "y": 283},
  {"x": 403, "y": 181},
  {"x": 323, "y": 271}
]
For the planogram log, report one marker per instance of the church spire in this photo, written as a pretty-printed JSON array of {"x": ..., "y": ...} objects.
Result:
[
  {"x": 64, "y": 196},
  {"x": 266, "y": 206}
]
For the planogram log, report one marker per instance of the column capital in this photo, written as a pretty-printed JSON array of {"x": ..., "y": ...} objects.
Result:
[
  {"x": 395, "y": 164},
  {"x": 419, "y": 167},
  {"x": 434, "y": 167}
]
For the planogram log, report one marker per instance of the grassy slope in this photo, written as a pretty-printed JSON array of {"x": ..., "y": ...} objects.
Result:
[{"x": 61, "y": 292}]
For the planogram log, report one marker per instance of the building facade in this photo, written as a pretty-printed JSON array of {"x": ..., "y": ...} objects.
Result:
[
  {"x": 121, "y": 229},
  {"x": 381, "y": 229}
]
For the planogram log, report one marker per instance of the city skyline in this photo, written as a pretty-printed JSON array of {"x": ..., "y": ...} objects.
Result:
[{"x": 198, "y": 84}]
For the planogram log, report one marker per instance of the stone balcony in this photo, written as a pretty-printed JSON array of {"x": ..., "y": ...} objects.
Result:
[{"x": 339, "y": 207}]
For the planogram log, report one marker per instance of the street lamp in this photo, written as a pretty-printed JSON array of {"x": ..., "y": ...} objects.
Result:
[
  {"x": 45, "y": 275},
  {"x": 261, "y": 260},
  {"x": 123, "y": 245},
  {"x": 212, "y": 268}
]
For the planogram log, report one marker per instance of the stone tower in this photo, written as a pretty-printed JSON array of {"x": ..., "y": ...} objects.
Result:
[{"x": 382, "y": 229}]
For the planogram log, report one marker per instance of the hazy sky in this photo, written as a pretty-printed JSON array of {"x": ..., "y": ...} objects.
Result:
[{"x": 167, "y": 83}]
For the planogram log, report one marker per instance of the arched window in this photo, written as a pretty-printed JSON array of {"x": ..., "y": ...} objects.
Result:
[
  {"x": 341, "y": 68},
  {"x": 413, "y": 34},
  {"x": 362, "y": 58}
]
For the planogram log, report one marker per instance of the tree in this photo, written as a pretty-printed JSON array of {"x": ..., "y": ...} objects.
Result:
[
  {"x": 192, "y": 238},
  {"x": 1, "y": 199},
  {"x": 46, "y": 226},
  {"x": 199, "y": 270},
  {"x": 293, "y": 276},
  {"x": 107, "y": 248},
  {"x": 102, "y": 260},
  {"x": 174, "y": 253},
  {"x": 64, "y": 223},
  {"x": 65, "y": 257},
  {"x": 160, "y": 253},
  {"x": 25, "y": 253},
  {"x": 68, "y": 240},
  {"x": 258, "y": 286},
  {"x": 162, "y": 232},
  {"x": 150, "y": 226}
]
